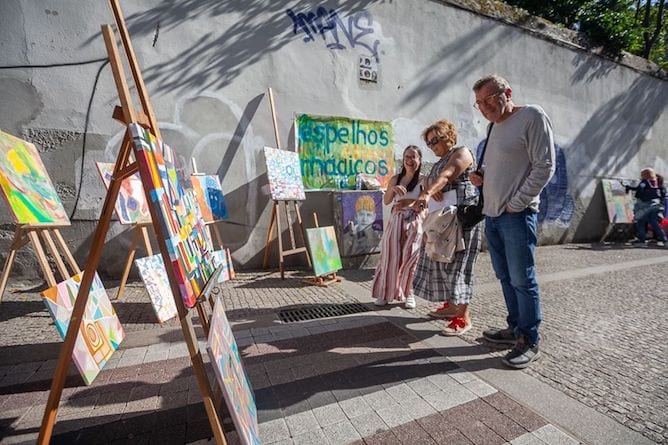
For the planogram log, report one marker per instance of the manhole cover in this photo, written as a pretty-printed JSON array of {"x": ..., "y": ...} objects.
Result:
[{"x": 321, "y": 311}]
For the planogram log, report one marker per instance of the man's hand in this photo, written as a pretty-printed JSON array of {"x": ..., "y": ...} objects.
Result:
[{"x": 476, "y": 178}]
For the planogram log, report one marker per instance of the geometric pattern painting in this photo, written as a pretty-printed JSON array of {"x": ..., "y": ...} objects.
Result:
[
  {"x": 154, "y": 276},
  {"x": 131, "y": 206},
  {"x": 226, "y": 362},
  {"x": 26, "y": 185},
  {"x": 209, "y": 194},
  {"x": 324, "y": 250},
  {"x": 179, "y": 217},
  {"x": 100, "y": 333},
  {"x": 285, "y": 174}
]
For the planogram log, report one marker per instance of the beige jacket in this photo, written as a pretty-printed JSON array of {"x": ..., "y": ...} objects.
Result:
[{"x": 443, "y": 235}]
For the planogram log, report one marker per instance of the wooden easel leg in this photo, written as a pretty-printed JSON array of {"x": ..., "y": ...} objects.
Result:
[
  {"x": 19, "y": 241},
  {"x": 219, "y": 238},
  {"x": 303, "y": 232},
  {"x": 147, "y": 240},
  {"x": 64, "y": 274},
  {"x": 270, "y": 232},
  {"x": 281, "y": 260},
  {"x": 203, "y": 318},
  {"x": 128, "y": 262},
  {"x": 65, "y": 250},
  {"x": 41, "y": 258}
]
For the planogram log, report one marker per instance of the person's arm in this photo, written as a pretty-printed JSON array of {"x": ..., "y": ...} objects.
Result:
[
  {"x": 389, "y": 194},
  {"x": 457, "y": 164},
  {"x": 540, "y": 147}
]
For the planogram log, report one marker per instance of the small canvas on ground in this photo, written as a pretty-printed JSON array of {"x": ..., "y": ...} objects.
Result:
[
  {"x": 285, "y": 175},
  {"x": 324, "y": 250},
  {"x": 26, "y": 185},
  {"x": 154, "y": 276},
  {"x": 210, "y": 197},
  {"x": 223, "y": 258},
  {"x": 131, "y": 206},
  {"x": 100, "y": 333},
  {"x": 618, "y": 202},
  {"x": 230, "y": 374}
]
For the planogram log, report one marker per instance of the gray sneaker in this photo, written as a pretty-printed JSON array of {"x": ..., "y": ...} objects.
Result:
[
  {"x": 521, "y": 356},
  {"x": 500, "y": 336}
]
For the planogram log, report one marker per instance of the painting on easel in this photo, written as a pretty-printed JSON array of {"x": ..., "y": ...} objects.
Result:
[
  {"x": 154, "y": 276},
  {"x": 285, "y": 175},
  {"x": 226, "y": 362},
  {"x": 324, "y": 250},
  {"x": 131, "y": 206},
  {"x": 26, "y": 184},
  {"x": 100, "y": 333},
  {"x": 223, "y": 258},
  {"x": 188, "y": 243},
  {"x": 209, "y": 195}
]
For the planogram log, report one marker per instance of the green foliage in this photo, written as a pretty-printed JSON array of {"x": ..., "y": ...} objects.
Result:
[{"x": 615, "y": 25}]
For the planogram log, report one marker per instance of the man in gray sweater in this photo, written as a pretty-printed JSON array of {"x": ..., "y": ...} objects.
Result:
[{"x": 519, "y": 161}]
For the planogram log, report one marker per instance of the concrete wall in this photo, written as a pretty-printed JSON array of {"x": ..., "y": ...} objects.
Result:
[{"x": 207, "y": 65}]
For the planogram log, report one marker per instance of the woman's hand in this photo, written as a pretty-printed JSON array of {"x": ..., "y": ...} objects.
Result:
[
  {"x": 437, "y": 195},
  {"x": 476, "y": 178},
  {"x": 399, "y": 190}
]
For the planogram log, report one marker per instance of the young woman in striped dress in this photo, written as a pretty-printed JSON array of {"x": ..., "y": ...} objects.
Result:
[{"x": 401, "y": 241}]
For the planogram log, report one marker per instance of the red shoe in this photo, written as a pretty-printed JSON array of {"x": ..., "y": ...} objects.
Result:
[
  {"x": 457, "y": 326},
  {"x": 443, "y": 311}
]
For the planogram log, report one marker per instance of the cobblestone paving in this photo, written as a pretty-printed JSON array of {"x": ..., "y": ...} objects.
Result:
[{"x": 603, "y": 341}]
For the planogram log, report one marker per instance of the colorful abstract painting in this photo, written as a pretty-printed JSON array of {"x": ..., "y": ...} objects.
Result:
[
  {"x": 100, "y": 333},
  {"x": 226, "y": 362},
  {"x": 209, "y": 195},
  {"x": 359, "y": 216},
  {"x": 618, "y": 202},
  {"x": 333, "y": 150},
  {"x": 179, "y": 216},
  {"x": 285, "y": 176},
  {"x": 154, "y": 276},
  {"x": 223, "y": 258},
  {"x": 26, "y": 185},
  {"x": 324, "y": 250},
  {"x": 131, "y": 206}
]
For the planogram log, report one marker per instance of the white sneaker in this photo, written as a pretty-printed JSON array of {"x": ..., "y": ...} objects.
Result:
[
  {"x": 410, "y": 302},
  {"x": 380, "y": 302},
  {"x": 660, "y": 244}
]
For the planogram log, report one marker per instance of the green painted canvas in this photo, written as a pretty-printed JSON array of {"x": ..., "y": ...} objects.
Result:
[{"x": 324, "y": 250}]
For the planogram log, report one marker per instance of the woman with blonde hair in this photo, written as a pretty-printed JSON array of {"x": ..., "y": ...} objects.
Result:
[
  {"x": 400, "y": 244},
  {"x": 648, "y": 207},
  {"x": 445, "y": 266}
]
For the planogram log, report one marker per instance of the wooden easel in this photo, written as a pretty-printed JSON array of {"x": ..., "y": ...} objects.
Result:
[
  {"x": 276, "y": 217},
  {"x": 122, "y": 169},
  {"x": 323, "y": 280},
  {"x": 31, "y": 233}
]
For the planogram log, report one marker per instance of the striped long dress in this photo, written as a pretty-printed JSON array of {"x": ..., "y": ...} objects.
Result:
[{"x": 399, "y": 251}]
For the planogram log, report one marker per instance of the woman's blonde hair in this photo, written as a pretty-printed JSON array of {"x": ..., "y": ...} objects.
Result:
[
  {"x": 648, "y": 173},
  {"x": 444, "y": 129}
]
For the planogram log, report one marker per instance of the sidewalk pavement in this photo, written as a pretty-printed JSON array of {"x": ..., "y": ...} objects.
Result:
[{"x": 383, "y": 376}]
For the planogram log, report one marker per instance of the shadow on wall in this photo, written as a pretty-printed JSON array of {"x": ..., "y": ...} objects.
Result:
[
  {"x": 610, "y": 139},
  {"x": 590, "y": 66},
  {"x": 468, "y": 50},
  {"x": 262, "y": 28}
]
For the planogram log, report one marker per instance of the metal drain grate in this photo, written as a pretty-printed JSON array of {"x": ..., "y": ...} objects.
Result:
[{"x": 321, "y": 311}]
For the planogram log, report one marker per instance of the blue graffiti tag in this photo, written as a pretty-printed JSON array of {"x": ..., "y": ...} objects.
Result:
[
  {"x": 330, "y": 25},
  {"x": 556, "y": 204}
]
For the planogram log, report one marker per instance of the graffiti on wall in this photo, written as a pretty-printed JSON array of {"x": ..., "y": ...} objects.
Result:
[
  {"x": 338, "y": 32},
  {"x": 556, "y": 204}
]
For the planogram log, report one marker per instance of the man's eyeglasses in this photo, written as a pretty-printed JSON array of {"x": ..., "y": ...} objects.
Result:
[
  {"x": 486, "y": 100},
  {"x": 435, "y": 140}
]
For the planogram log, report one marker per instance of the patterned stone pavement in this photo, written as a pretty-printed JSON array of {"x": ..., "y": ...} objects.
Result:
[{"x": 362, "y": 378}]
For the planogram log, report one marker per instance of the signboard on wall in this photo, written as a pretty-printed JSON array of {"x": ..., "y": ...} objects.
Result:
[{"x": 334, "y": 150}]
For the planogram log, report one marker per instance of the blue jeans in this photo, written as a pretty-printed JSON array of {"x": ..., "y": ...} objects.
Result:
[
  {"x": 511, "y": 238},
  {"x": 652, "y": 218}
]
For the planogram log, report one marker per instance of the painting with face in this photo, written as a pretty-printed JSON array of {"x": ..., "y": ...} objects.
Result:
[{"x": 361, "y": 222}]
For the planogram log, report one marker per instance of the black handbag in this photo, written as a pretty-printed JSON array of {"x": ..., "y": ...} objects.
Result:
[{"x": 470, "y": 213}]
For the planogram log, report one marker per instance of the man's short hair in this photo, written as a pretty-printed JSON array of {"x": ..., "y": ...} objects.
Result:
[{"x": 498, "y": 81}]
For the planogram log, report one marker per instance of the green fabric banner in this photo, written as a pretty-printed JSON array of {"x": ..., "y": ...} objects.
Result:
[{"x": 333, "y": 150}]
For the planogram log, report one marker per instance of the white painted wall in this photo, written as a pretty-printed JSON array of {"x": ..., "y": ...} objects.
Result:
[{"x": 207, "y": 65}]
